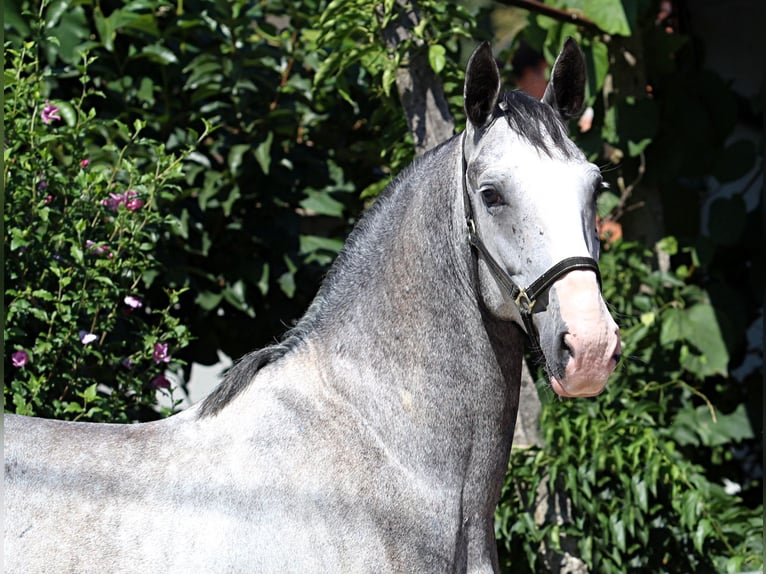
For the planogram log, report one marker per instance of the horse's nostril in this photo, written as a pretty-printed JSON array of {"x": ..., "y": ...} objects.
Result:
[
  {"x": 616, "y": 357},
  {"x": 566, "y": 347}
]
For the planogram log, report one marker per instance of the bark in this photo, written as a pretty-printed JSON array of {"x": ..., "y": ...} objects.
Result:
[{"x": 419, "y": 88}]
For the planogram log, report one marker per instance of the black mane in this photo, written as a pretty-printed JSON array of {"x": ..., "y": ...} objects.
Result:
[{"x": 536, "y": 122}]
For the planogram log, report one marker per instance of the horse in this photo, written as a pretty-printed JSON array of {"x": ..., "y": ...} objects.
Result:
[{"x": 376, "y": 434}]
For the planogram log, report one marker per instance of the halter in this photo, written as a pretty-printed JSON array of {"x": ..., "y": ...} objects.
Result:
[{"x": 525, "y": 298}]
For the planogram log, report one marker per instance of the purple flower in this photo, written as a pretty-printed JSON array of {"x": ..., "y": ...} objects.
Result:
[
  {"x": 127, "y": 362},
  {"x": 161, "y": 353},
  {"x": 132, "y": 201},
  {"x": 19, "y": 358},
  {"x": 161, "y": 382},
  {"x": 129, "y": 199},
  {"x": 86, "y": 338},
  {"x": 133, "y": 302},
  {"x": 49, "y": 113},
  {"x": 114, "y": 201},
  {"x": 97, "y": 249}
]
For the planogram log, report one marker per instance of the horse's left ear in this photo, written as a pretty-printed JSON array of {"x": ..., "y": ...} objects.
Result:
[
  {"x": 566, "y": 90},
  {"x": 482, "y": 86}
]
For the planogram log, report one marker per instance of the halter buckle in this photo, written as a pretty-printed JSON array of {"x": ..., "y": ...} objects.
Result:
[
  {"x": 471, "y": 224},
  {"x": 524, "y": 303}
]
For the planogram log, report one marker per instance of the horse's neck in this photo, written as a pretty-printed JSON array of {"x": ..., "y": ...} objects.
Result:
[{"x": 403, "y": 338}]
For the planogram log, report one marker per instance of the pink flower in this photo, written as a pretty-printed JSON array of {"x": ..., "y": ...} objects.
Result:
[
  {"x": 97, "y": 249},
  {"x": 48, "y": 199},
  {"x": 129, "y": 199},
  {"x": 161, "y": 353},
  {"x": 161, "y": 382},
  {"x": 19, "y": 358},
  {"x": 49, "y": 113},
  {"x": 133, "y": 302},
  {"x": 86, "y": 338},
  {"x": 132, "y": 202},
  {"x": 113, "y": 202},
  {"x": 84, "y": 163}
]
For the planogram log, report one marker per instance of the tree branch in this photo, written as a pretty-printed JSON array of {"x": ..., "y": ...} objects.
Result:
[{"x": 556, "y": 13}]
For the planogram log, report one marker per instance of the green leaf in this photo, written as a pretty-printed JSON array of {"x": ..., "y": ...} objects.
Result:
[
  {"x": 706, "y": 336},
  {"x": 160, "y": 54},
  {"x": 263, "y": 153},
  {"x": 437, "y": 57},
  {"x": 68, "y": 113},
  {"x": 608, "y": 15},
  {"x": 703, "y": 530},
  {"x": 208, "y": 300},
  {"x": 13, "y": 19},
  {"x": 286, "y": 283},
  {"x": 696, "y": 426},
  {"x": 105, "y": 29},
  {"x": 322, "y": 203},
  {"x": 263, "y": 282},
  {"x": 389, "y": 77},
  {"x": 235, "y": 157},
  {"x": 606, "y": 202},
  {"x": 89, "y": 394},
  {"x": 668, "y": 245},
  {"x": 598, "y": 65},
  {"x": 698, "y": 326}
]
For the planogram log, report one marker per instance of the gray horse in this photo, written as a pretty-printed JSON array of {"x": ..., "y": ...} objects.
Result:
[{"x": 376, "y": 436}]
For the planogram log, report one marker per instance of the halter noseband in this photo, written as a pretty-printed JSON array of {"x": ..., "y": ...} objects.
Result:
[{"x": 525, "y": 298}]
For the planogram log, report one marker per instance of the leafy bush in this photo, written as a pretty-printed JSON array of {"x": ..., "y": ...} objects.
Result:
[
  {"x": 620, "y": 469},
  {"x": 267, "y": 196},
  {"x": 84, "y": 209}
]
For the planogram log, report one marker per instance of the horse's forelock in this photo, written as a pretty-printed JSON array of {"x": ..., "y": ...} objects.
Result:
[{"x": 537, "y": 123}]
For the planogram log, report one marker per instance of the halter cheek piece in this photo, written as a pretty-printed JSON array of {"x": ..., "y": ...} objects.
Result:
[{"x": 525, "y": 298}]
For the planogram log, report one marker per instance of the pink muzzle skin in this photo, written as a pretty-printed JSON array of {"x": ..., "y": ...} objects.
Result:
[{"x": 593, "y": 338}]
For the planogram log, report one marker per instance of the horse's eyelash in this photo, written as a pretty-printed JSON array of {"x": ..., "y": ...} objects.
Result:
[{"x": 601, "y": 188}]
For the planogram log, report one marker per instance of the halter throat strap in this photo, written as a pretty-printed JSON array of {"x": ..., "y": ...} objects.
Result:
[{"x": 524, "y": 298}]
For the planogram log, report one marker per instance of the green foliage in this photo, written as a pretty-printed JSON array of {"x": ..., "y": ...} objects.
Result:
[
  {"x": 267, "y": 195},
  {"x": 81, "y": 223},
  {"x": 637, "y": 500}
]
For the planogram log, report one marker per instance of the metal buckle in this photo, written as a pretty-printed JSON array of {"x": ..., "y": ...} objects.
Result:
[{"x": 524, "y": 303}]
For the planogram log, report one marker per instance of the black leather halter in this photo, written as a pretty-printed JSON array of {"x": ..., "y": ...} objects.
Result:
[{"x": 525, "y": 298}]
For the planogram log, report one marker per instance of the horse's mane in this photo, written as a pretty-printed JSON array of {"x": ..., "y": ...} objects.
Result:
[
  {"x": 245, "y": 369},
  {"x": 537, "y": 123}
]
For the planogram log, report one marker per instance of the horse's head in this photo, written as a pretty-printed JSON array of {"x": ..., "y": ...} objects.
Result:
[{"x": 530, "y": 202}]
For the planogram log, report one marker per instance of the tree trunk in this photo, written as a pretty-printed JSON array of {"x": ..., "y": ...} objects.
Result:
[{"x": 419, "y": 88}]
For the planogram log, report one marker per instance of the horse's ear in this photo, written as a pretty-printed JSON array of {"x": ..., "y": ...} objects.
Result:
[
  {"x": 566, "y": 90},
  {"x": 482, "y": 85}
]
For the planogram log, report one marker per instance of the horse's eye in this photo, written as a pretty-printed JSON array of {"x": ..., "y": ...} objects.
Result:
[{"x": 491, "y": 197}]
